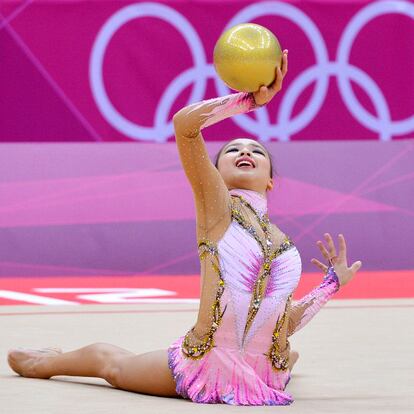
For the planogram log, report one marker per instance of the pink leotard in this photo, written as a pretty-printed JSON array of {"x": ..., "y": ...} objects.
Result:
[{"x": 243, "y": 359}]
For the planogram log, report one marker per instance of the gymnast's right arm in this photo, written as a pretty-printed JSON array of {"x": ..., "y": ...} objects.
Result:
[{"x": 211, "y": 195}]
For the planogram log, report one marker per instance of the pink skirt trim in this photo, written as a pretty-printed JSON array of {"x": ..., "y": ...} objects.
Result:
[{"x": 228, "y": 376}]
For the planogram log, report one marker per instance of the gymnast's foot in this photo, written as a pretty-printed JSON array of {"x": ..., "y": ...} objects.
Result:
[
  {"x": 31, "y": 363},
  {"x": 293, "y": 357}
]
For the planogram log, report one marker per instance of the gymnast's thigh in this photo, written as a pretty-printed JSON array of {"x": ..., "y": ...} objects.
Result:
[{"x": 145, "y": 373}]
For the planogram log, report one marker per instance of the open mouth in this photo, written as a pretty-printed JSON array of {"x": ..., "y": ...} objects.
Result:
[{"x": 245, "y": 162}]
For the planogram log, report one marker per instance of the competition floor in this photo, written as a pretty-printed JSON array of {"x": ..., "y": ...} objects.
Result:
[{"x": 355, "y": 356}]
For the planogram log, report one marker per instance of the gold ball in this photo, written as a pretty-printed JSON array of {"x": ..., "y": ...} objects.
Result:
[{"x": 246, "y": 56}]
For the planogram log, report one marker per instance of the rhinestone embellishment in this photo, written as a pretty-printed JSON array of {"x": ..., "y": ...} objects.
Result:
[
  {"x": 207, "y": 249},
  {"x": 278, "y": 362}
]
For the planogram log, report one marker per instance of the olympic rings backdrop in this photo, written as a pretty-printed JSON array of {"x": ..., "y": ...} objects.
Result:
[{"x": 118, "y": 70}]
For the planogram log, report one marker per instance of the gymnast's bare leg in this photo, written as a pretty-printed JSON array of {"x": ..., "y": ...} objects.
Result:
[{"x": 146, "y": 373}]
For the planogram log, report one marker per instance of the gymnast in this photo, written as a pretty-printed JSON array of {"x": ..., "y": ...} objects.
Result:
[{"x": 238, "y": 351}]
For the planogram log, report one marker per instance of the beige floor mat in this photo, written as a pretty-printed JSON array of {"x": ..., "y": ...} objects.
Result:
[{"x": 355, "y": 357}]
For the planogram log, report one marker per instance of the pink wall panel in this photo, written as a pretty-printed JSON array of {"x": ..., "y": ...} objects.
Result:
[{"x": 117, "y": 70}]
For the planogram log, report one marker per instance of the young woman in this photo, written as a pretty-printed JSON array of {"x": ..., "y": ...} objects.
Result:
[{"x": 238, "y": 351}]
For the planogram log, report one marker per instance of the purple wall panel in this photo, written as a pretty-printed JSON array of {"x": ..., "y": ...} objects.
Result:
[{"x": 76, "y": 209}]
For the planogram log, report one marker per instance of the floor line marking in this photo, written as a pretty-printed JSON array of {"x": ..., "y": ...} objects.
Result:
[{"x": 185, "y": 310}]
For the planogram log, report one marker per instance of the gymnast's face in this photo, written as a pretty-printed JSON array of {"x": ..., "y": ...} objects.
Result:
[{"x": 245, "y": 163}]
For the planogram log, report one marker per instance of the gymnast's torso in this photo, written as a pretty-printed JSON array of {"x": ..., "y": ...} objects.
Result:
[
  {"x": 247, "y": 281},
  {"x": 248, "y": 277}
]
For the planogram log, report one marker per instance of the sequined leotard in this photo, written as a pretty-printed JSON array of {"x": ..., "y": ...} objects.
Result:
[
  {"x": 238, "y": 350},
  {"x": 242, "y": 360}
]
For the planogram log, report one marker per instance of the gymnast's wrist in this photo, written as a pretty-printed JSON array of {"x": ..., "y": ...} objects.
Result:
[{"x": 331, "y": 278}]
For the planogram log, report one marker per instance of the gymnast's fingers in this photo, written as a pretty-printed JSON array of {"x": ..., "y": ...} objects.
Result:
[
  {"x": 342, "y": 247},
  {"x": 284, "y": 62},
  {"x": 277, "y": 85},
  {"x": 323, "y": 250},
  {"x": 356, "y": 266},
  {"x": 331, "y": 246},
  {"x": 321, "y": 266}
]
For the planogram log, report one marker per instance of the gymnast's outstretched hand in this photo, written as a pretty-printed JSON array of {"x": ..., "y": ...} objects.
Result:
[
  {"x": 265, "y": 94},
  {"x": 339, "y": 262}
]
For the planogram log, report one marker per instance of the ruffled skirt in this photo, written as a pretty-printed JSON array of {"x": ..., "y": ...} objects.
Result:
[{"x": 228, "y": 376}]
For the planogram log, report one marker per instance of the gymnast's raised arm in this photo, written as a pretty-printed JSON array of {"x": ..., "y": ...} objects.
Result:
[
  {"x": 211, "y": 195},
  {"x": 212, "y": 199}
]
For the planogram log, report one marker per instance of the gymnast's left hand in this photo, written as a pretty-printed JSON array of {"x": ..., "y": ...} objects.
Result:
[
  {"x": 339, "y": 262},
  {"x": 265, "y": 94}
]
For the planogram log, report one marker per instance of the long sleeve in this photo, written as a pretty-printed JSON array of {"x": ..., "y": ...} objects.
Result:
[
  {"x": 199, "y": 115},
  {"x": 302, "y": 311},
  {"x": 212, "y": 199}
]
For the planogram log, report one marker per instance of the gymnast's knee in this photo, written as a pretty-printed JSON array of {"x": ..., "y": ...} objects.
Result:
[
  {"x": 108, "y": 360},
  {"x": 112, "y": 375}
]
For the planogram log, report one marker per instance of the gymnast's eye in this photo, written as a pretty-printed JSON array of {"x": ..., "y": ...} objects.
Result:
[
  {"x": 231, "y": 150},
  {"x": 259, "y": 152}
]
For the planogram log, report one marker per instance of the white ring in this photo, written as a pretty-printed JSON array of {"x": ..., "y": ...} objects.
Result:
[
  {"x": 114, "y": 23},
  {"x": 261, "y": 126}
]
